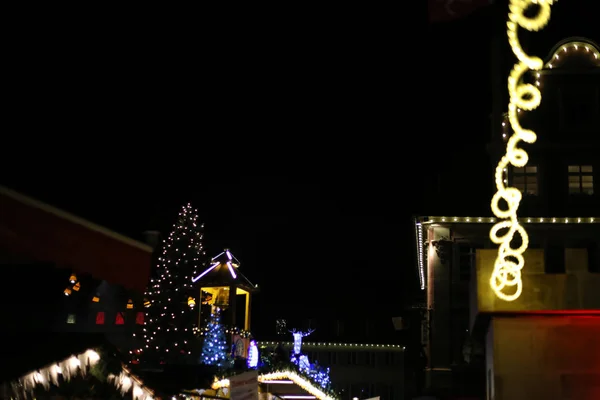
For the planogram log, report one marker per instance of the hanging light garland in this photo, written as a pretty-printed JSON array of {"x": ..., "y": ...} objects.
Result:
[
  {"x": 80, "y": 364},
  {"x": 506, "y": 280}
]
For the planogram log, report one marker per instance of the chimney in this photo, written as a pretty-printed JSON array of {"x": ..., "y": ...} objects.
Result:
[{"x": 152, "y": 238}]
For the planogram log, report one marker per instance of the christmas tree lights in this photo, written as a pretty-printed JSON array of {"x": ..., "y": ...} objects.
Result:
[
  {"x": 214, "y": 348},
  {"x": 168, "y": 331},
  {"x": 506, "y": 280}
]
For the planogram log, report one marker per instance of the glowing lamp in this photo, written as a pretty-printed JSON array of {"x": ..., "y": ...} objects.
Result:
[
  {"x": 147, "y": 303},
  {"x": 76, "y": 287},
  {"x": 73, "y": 278},
  {"x": 67, "y": 291},
  {"x": 191, "y": 302},
  {"x": 95, "y": 299},
  {"x": 129, "y": 304}
]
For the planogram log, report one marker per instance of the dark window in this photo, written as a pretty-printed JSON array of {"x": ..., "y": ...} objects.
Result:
[
  {"x": 139, "y": 318},
  {"x": 339, "y": 327},
  {"x": 593, "y": 258},
  {"x": 316, "y": 356},
  {"x": 120, "y": 318},
  {"x": 554, "y": 259},
  {"x": 581, "y": 179},
  {"x": 332, "y": 358},
  {"x": 466, "y": 262},
  {"x": 372, "y": 358},
  {"x": 389, "y": 358},
  {"x": 526, "y": 180},
  {"x": 100, "y": 318},
  {"x": 489, "y": 385},
  {"x": 371, "y": 390}
]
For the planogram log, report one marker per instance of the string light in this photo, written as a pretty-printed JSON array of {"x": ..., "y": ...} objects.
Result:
[
  {"x": 80, "y": 364},
  {"x": 283, "y": 376},
  {"x": 420, "y": 221},
  {"x": 168, "y": 330},
  {"x": 556, "y": 60},
  {"x": 573, "y": 47},
  {"x": 522, "y": 220},
  {"x": 337, "y": 345},
  {"x": 510, "y": 261},
  {"x": 419, "y": 236},
  {"x": 230, "y": 330}
]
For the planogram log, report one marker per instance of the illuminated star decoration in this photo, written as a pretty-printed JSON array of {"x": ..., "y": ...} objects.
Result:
[
  {"x": 506, "y": 280},
  {"x": 224, "y": 259}
]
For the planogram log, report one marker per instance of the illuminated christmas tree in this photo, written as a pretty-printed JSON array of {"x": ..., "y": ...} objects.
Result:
[
  {"x": 168, "y": 334},
  {"x": 214, "y": 349}
]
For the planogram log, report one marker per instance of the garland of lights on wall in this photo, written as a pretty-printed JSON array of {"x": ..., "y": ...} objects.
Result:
[{"x": 506, "y": 280}]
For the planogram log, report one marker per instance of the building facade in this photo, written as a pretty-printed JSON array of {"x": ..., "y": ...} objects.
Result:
[
  {"x": 366, "y": 358},
  {"x": 518, "y": 347},
  {"x": 69, "y": 274}
]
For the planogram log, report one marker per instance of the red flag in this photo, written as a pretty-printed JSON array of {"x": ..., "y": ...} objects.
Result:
[{"x": 448, "y": 10}]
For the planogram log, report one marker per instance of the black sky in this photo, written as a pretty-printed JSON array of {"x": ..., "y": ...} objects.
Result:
[{"x": 306, "y": 142}]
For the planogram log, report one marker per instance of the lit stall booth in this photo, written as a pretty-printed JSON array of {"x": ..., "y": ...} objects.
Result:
[{"x": 224, "y": 289}]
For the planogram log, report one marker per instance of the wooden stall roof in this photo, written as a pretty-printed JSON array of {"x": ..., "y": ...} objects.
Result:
[{"x": 39, "y": 232}]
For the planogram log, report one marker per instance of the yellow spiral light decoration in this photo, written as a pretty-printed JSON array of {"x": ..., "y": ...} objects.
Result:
[{"x": 506, "y": 279}]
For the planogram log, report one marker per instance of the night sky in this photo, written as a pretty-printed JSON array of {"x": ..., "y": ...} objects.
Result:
[{"x": 306, "y": 145}]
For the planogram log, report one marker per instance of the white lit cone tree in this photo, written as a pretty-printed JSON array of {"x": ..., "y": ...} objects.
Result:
[{"x": 168, "y": 334}]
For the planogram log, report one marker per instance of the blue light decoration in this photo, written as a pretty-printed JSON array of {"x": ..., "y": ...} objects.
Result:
[
  {"x": 315, "y": 372},
  {"x": 252, "y": 355},
  {"x": 215, "y": 341}
]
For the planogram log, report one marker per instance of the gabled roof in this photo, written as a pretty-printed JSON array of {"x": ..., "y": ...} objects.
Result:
[
  {"x": 60, "y": 357},
  {"x": 39, "y": 232},
  {"x": 286, "y": 383},
  {"x": 42, "y": 350},
  {"x": 224, "y": 271}
]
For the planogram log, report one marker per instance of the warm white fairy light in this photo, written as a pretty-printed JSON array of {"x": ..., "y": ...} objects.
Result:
[
  {"x": 349, "y": 346},
  {"x": 506, "y": 280},
  {"x": 492, "y": 220},
  {"x": 432, "y": 220},
  {"x": 284, "y": 376},
  {"x": 169, "y": 301},
  {"x": 420, "y": 261},
  {"x": 79, "y": 365},
  {"x": 570, "y": 48}
]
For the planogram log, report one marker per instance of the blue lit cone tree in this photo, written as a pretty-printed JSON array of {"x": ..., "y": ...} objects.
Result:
[
  {"x": 214, "y": 348},
  {"x": 168, "y": 334}
]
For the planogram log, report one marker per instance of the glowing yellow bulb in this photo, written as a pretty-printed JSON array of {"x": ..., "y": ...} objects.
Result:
[{"x": 506, "y": 280}]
